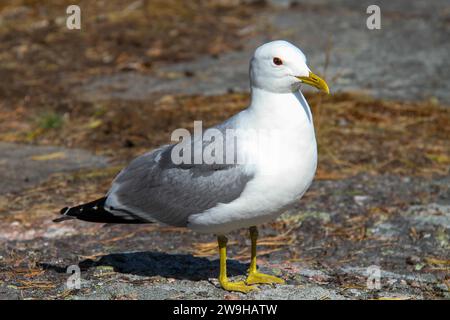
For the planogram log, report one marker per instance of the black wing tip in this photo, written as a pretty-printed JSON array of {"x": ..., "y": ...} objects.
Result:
[
  {"x": 64, "y": 218},
  {"x": 94, "y": 211}
]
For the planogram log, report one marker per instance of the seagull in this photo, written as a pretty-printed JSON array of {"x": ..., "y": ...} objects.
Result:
[{"x": 223, "y": 196}]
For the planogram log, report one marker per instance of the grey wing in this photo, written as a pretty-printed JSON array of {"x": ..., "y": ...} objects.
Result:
[{"x": 153, "y": 188}]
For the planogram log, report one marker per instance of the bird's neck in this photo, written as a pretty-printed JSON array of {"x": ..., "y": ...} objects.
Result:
[{"x": 280, "y": 109}]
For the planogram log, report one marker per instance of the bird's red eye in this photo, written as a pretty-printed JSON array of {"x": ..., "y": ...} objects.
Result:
[{"x": 277, "y": 61}]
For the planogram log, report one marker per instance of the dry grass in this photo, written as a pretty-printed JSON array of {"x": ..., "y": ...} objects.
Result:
[
  {"x": 356, "y": 134},
  {"x": 360, "y": 134},
  {"x": 40, "y": 61}
]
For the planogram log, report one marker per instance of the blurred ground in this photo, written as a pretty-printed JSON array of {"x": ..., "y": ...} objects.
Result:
[{"x": 76, "y": 106}]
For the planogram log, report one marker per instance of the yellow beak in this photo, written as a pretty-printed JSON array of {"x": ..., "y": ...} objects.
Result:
[{"x": 315, "y": 81}]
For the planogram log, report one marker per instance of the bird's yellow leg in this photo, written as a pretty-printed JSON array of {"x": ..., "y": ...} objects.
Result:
[
  {"x": 255, "y": 277},
  {"x": 240, "y": 286}
]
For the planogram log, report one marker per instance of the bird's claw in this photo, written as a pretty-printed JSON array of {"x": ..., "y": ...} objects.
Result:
[
  {"x": 239, "y": 286},
  {"x": 261, "y": 278}
]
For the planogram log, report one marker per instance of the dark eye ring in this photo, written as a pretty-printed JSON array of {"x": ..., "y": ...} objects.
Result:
[{"x": 277, "y": 61}]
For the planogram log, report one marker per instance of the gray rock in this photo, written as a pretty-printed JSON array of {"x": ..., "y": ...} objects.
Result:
[
  {"x": 406, "y": 59},
  {"x": 434, "y": 214},
  {"x": 23, "y": 166}
]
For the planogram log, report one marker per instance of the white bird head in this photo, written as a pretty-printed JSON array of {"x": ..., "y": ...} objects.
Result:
[{"x": 280, "y": 67}]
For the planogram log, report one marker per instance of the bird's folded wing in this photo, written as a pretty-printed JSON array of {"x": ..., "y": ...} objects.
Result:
[{"x": 153, "y": 188}]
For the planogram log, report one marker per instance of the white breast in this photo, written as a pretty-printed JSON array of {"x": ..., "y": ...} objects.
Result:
[{"x": 281, "y": 175}]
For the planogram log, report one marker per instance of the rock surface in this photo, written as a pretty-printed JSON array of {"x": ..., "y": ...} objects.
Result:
[
  {"x": 406, "y": 59},
  {"x": 24, "y": 166},
  {"x": 328, "y": 251}
]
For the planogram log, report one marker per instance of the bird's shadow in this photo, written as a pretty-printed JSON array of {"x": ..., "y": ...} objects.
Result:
[{"x": 177, "y": 266}]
